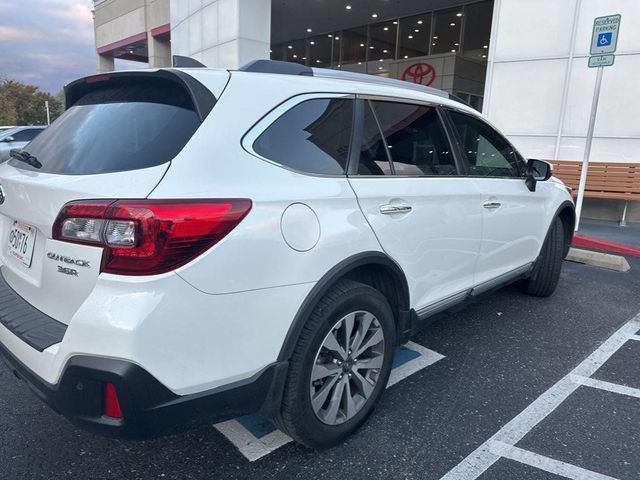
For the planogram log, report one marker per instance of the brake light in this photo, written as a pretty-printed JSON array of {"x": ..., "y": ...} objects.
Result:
[
  {"x": 149, "y": 237},
  {"x": 111, "y": 402}
]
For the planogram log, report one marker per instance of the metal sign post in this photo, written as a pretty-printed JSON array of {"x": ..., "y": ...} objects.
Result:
[
  {"x": 46, "y": 107},
  {"x": 604, "y": 40}
]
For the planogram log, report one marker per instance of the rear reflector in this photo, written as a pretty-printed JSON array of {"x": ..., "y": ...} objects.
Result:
[
  {"x": 149, "y": 237},
  {"x": 111, "y": 403}
]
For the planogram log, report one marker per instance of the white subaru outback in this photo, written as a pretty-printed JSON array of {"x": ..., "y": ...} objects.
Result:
[{"x": 186, "y": 245}]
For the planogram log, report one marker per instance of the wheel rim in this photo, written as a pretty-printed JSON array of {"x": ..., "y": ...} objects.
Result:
[{"x": 347, "y": 367}]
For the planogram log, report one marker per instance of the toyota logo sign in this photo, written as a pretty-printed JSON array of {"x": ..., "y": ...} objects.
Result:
[{"x": 422, "y": 73}]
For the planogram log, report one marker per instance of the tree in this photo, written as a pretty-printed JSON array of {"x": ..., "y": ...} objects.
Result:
[{"x": 22, "y": 104}]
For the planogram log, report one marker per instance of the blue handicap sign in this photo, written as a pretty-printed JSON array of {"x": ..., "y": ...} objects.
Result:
[{"x": 604, "y": 39}]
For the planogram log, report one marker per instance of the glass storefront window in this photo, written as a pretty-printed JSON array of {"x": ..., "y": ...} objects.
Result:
[
  {"x": 446, "y": 31},
  {"x": 353, "y": 49},
  {"x": 414, "y": 36},
  {"x": 382, "y": 45},
  {"x": 321, "y": 51},
  {"x": 373, "y": 48},
  {"x": 477, "y": 30}
]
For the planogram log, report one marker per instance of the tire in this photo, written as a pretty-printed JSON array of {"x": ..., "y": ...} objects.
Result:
[
  {"x": 306, "y": 421},
  {"x": 546, "y": 272}
]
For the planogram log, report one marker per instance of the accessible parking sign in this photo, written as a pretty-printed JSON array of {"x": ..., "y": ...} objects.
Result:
[{"x": 605, "y": 34}]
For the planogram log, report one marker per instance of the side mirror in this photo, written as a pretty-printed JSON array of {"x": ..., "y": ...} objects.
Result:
[
  {"x": 8, "y": 139},
  {"x": 537, "y": 171}
]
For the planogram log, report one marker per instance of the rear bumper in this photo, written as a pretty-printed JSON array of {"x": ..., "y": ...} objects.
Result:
[{"x": 149, "y": 408}]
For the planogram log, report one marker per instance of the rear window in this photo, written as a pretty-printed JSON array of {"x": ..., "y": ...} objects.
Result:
[{"x": 115, "y": 129}]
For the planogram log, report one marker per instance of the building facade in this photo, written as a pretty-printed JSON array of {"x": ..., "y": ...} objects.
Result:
[
  {"x": 522, "y": 63},
  {"x": 136, "y": 30}
]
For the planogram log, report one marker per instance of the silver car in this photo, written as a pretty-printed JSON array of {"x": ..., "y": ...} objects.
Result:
[{"x": 17, "y": 137}]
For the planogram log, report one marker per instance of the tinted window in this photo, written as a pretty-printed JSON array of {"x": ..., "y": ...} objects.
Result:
[
  {"x": 416, "y": 139},
  {"x": 488, "y": 153},
  {"x": 373, "y": 152},
  {"x": 312, "y": 137},
  {"x": 117, "y": 129},
  {"x": 26, "y": 135}
]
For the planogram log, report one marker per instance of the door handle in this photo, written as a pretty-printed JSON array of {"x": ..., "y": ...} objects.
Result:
[
  {"x": 491, "y": 205},
  {"x": 390, "y": 209}
]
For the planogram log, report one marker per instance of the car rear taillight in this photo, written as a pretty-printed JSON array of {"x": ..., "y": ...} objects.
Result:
[{"x": 148, "y": 237}]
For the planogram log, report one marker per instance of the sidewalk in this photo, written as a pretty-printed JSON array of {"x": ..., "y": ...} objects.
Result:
[{"x": 608, "y": 236}]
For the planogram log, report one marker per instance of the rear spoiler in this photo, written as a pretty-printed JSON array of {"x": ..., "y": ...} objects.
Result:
[{"x": 202, "y": 98}]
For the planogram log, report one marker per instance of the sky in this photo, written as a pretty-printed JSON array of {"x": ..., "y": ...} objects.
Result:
[{"x": 46, "y": 43}]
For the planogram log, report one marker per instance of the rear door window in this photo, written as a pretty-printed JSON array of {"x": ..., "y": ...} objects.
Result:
[
  {"x": 115, "y": 129},
  {"x": 312, "y": 137},
  {"x": 414, "y": 138}
]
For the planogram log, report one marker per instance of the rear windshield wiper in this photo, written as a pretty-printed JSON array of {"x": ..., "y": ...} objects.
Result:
[{"x": 25, "y": 157}]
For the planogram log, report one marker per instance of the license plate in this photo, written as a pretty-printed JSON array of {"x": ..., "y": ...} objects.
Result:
[{"x": 22, "y": 238}]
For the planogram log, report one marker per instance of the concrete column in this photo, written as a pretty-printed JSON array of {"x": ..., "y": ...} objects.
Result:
[
  {"x": 224, "y": 33},
  {"x": 159, "y": 53},
  {"x": 105, "y": 63}
]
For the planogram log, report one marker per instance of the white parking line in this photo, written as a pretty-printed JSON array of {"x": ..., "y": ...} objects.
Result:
[
  {"x": 427, "y": 357},
  {"x": 250, "y": 446},
  {"x": 545, "y": 463},
  {"x": 636, "y": 338},
  {"x": 610, "y": 387},
  {"x": 483, "y": 457}
]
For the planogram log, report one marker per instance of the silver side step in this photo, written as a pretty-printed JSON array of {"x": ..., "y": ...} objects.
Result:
[{"x": 484, "y": 287}]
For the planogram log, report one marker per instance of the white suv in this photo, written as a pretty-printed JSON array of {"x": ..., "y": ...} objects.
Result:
[{"x": 185, "y": 245}]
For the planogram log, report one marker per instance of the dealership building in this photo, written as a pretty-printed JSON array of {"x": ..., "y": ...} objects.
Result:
[{"x": 523, "y": 63}]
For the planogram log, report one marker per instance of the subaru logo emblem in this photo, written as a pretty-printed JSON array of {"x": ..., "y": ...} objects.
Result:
[{"x": 2, "y": 197}]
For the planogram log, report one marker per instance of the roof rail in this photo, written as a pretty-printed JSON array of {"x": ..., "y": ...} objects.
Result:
[
  {"x": 390, "y": 82},
  {"x": 186, "y": 62},
  {"x": 290, "y": 68},
  {"x": 275, "y": 66}
]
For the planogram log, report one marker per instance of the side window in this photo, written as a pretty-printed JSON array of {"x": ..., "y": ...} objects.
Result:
[
  {"x": 488, "y": 153},
  {"x": 416, "y": 139},
  {"x": 26, "y": 135},
  {"x": 312, "y": 137}
]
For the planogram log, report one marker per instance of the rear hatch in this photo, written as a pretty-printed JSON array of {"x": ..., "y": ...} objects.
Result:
[{"x": 115, "y": 141}]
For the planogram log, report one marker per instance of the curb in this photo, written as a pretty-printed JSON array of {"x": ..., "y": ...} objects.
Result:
[
  {"x": 599, "y": 259},
  {"x": 604, "y": 245}
]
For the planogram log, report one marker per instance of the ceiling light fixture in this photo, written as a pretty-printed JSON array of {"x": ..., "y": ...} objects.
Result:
[
  {"x": 374, "y": 15},
  {"x": 410, "y": 36},
  {"x": 459, "y": 14},
  {"x": 419, "y": 22},
  {"x": 348, "y": 7},
  {"x": 309, "y": 30},
  {"x": 452, "y": 24}
]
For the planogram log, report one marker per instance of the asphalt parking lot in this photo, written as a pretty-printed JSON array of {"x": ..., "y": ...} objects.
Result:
[{"x": 503, "y": 398}]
